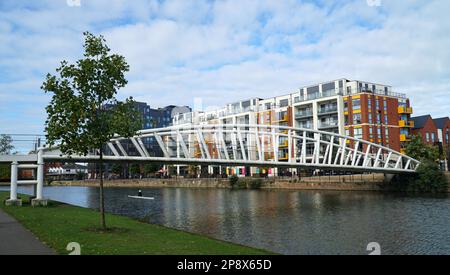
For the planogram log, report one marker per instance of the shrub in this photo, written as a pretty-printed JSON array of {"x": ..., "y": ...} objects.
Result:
[
  {"x": 233, "y": 180},
  {"x": 428, "y": 179},
  {"x": 256, "y": 183}
]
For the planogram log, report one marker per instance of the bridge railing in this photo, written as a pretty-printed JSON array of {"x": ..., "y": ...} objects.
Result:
[{"x": 262, "y": 145}]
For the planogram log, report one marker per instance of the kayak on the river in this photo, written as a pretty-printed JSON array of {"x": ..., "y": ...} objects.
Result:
[{"x": 141, "y": 197}]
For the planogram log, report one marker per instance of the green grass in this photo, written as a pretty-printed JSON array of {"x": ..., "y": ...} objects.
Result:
[{"x": 59, "y": 224}]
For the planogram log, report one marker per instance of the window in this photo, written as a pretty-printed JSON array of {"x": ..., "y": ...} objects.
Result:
[
  {"x": 386, "y": 134},
  {"x": 357, "y": 119},
  {"x": 284, "y": 102},
  {"x": 447, "y": 137},
  {"x": 371, "y": 132},
  {"x": 369, "y": 104},
  {"x": 358, "y": 133},
  {"x": 347, "y": 132},
  {"x": 346, "y": 118},
  {"x": 356, "y": 104},
  {"x": 378, "y": 118},
  {"x": 428, "y": 137},
  {"x": 370, "y": 118},
  {"x": 386, "y": 119},
  {"x": 345, "y": 106},
  {"x": 433, "y": 137},
  {"x": 377, "y": 104},
  {"x": 379, "y": 132},
  {"x": 385, "y": 105}
]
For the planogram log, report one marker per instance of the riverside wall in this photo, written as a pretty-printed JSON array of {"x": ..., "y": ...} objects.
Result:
[{"x": 373, "y": 182}]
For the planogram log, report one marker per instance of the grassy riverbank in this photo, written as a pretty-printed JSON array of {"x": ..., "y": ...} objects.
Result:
[{"x": 60, "y": 224}]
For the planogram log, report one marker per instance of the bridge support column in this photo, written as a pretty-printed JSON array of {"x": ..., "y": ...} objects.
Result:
[
  {"x": 13, "y": 201},
  {"x": 39, "y": 200}
]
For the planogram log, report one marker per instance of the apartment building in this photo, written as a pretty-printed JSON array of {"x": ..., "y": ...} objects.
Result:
[
  {"x": 360, "y": 109},
  {"x": 426, "y": 128},
  {"x": 435, "y": 132}
]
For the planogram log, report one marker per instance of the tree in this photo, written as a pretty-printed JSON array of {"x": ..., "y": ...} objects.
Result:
[
  {"x": 116, "y": 168},
  {"x": 428, "y": 177},
  {"x": 6, "y": 145},
  {"x": 135, "y": 169},
  {"x": 151, "y": 168},
  {"x": 421, "y": 151},
  {"x": 83, "y": 113}
]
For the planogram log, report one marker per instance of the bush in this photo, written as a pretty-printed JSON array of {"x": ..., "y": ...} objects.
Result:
[
  {"x": 428, "y": 179},
  {"x": 245, "y": 183},
  {"x": 233, "y": 180},
  {"x": 256, "y": 183}
]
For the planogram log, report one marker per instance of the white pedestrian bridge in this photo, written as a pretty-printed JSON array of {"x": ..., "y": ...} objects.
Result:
[{"x": 231, "y": 145}]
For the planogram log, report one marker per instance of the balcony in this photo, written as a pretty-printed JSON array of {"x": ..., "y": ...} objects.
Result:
[
  {"x": 283, "y": 118},
  {"x": 303, "y": 114},
  {"x": 328, "y": 110},
  {"x": 282, "y": 156},
  {"x": 405, "y": 110},
  {"x": 330, "y": 124},
  {"x": 406, "y": 124},
  {"x": 283, "y": 144},
  {"x": 404, "y": 137},
  {"x": 306, "y": 126}
]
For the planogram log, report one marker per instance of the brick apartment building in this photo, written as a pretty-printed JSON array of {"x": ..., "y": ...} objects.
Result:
[
  {"x": 361, "y": 109},
  {"x": 434, "y": 132},
  {"x": 426, "y": 128}
]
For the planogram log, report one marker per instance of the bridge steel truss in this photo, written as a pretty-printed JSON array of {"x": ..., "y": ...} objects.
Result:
[{"x": 237, "y": 145}]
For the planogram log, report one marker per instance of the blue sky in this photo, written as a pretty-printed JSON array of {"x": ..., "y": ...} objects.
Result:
[{"x": 224, "y": 51}]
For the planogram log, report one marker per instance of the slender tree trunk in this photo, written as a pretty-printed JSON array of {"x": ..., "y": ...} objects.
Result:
[{"x": 102, "y": 197}]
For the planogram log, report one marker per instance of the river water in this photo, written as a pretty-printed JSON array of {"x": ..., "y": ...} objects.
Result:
[{"x": 286, "y": 222}]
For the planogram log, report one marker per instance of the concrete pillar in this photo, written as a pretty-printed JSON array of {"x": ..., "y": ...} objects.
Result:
[
  {"x": 40, "y": 176},
  {"x": 14, "y": 172}
]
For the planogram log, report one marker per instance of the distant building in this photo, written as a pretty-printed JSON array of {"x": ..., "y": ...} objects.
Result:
[
  {"x": 426, "y": 128},
  {"x": 71, "y": 171},
  {"x": 435, "y": 132},
  {"x": 443, "y": 130},
  {"x": 154, "y": 118}
]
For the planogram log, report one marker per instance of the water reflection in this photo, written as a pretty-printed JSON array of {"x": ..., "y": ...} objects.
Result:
[{"x": 287, "y": 222}]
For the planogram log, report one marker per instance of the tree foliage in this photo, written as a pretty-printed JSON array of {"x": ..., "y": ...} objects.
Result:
[
  {"x": 135, "y": 169},
  {"x": 151, "y": 168},
  {"x": 421, "y": 151},
  {"x": 117, "y": 168},
  {"x": 428, "y": 177},
  {"x": 6, "y": 145},
  {"x": 84, "y": 113}
]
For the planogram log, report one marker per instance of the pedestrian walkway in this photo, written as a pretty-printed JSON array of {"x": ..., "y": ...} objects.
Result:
[{"x": 16, "y": 240}]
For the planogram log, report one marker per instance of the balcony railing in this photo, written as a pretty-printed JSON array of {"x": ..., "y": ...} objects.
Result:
[
  {"x": 327, "y": 109},
  {"x": 404, "y": 123},
  {"x": 303, "y": 114},
  {"x": 306, "y": 126},
  {"x": 405, "y": 110},
  {"x": 283, "y": 118},
  {"x": 330, "y": 124},
  {"x": 405, "y": 137}
]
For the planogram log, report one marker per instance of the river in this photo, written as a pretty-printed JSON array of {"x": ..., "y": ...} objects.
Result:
[{"x": 286, "y": 222}]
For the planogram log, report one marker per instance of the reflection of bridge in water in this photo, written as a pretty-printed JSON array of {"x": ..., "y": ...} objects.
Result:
[{"x": 232, "y": 145}]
